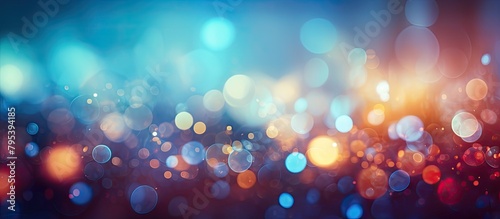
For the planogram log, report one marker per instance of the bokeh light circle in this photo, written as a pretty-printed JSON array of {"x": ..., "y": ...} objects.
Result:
[
  {"x": 32, "y": 128},
  {"x": 80, "y": 193},
  {"x": 493, "y": 157},
  {"x": 431, "y": 174},
  {"x": 218, "y": 33},
  {"x": 354, "y": 211},
  {"x": 422, "y": 13},
  {"x": 399, "y": 180},
  {"x": 31, "y": 149},
  {"x": 410, "y": 128},
  {"x": 143, "y": 199},
  {"x": 295, "y": 162},
  {"x": 193, "y": 152},
  {"x": 101, "y": 153},
  {"x": 486, "y": 59},
  {"x": 286, "y": 200},
  {"x": 417, "y": 49},
  {"x": 318, "y": 35},
  {"x": 464, "y": 124},
  {"x": 476, "y": 89},
  {"x": 344, "y": 123},
  {"x": 86, "y": 109},
  {"x": 138, "y": 118},
  {"x": 316, "y": 72},
  {"x": 239, "y": 161},
  {"x": 372, "y": 183},
  {"x": 213, "y": 100},
  {"x": 238, "y": 90},
  {"x": 183, "y": 120},
  {"x": 474, "y": 156},
  {"x": 322, "y": 151},
  {"x": 302, "y": 123}
]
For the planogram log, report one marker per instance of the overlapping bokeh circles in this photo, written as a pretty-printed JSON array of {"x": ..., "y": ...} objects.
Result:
[
  {"x": 318, "y": 35},
  {"x": 143, "y": 199}
]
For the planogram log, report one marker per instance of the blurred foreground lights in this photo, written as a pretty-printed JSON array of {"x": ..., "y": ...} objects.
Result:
[
  {"x": 63, "y": 163},
  {"x": 431, "y": 174},
  {"x": 318, "y": 35},
  {"x": 355, "y": 211},
  {"x": 344, "y": 123},
  {"x": 286, "y": 200},
  {"x": 183, "y": 120},
  {"x": 493, "y": 157},
  {"x": 239, "y": 90},
  {"x": 410, "y": 128},
  {"x": 399, "y": 180},
  {"x": 101, "y": 153},
  {"x": 11, "y": 80},
  {"x": 143, "y": 199},
  {"x": 476, "y": 89},
  {"x": 323, "y": 151},
  {"x": 372, "y": 183},
  {"x": 465, "y": 124},
  {"x": 486, "y": 59},
  {"x": 32, "y": 128},
  {"x": 31, "y": 149},
  {"x": 80, "y": 193},
  {"x": 193, "y": 152},
  {"x": 217, "y": 33},
  {"x": 240, "y": 161},
  {"x": 316, "y": 72},
  {"x": 295, "y": 162},
  {"x": 213, "y": 100}
]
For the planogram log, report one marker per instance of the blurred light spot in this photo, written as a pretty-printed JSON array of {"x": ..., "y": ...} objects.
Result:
[
  {"x": 376, "y": 117},
  {"x": 357, "y": 57},
  {"x": 272, "y": 131},
  {"x": 213, "y": 100},
  {"x": 31, "y": 149},
  {"x": 217, "y": 33},
  {"x": 183, "y": 120},
  {"x": 220, "y": 189},
  {"x": 101, "y": 153},
  {"x": 493, "y": 157},
  {"x": 410, "y": 128},
  {"x": 93, "y": 171},
  {"x": 143, "y": 199},
  {"x": 239, "y": 161},
  {"x": 417, "y": 48},
  {"x": 199, "y": 128},
  {"x": 246, "y": 179},
  {"x": 486, "y": 59},
  {"x": 372, "y": 183},
  {"x": 32, "y": 128},
  {"x": 464, "y": 124},
  {"x": 114, "y": 127},
  {"x": 63, "y": 163},
  {"x": 431, "y": 174},
  {"x": 473, "y": 156},
  {"x": 80, "y": 193},
  {"x": 11, "y": 80},
  {"x": 316, "y": 72},
  {"x": 238, "y": 90},
  {"x": 300, "y": 105},
  {"x": 216, "y": 155},
  {"x": 322, "y": 151},
  {"x": 422, "y": 13},
  {"x": 172, "y": 161},
  {"x": 489, "y": 116},
  {"x": 318, "y": 35},
  {"x": 138, "y": 118},
  {"x": 449, "y": 191},
  {"x": 343, "y": 123},
  {"x": 286, "y": 200},
  {"x": 399, "y": 180},
  {"x": 313, "y": 196},
  {"x": 452, "y": 62},
  {"x": 302, "y": 123},
  {"x": 193, "y": 152},
  {"x": 476, "y": 89},
  {"x": 354, "y": 211},
  {"x": 295, "y": 162}
]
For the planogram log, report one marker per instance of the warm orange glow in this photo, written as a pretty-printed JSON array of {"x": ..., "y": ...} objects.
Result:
[
  {"x": 62, "y": 163},
  {"x": 246, "y": 179},
  {"x": 323, "y": 151}
]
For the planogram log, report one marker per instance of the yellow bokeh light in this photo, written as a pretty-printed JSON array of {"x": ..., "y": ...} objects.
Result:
[
  {"x": 272, "y": 131},
  {"x": 199, "y": 128},
  {"x": 322, "y": 151},
  {"x": 183, "y": 120}
]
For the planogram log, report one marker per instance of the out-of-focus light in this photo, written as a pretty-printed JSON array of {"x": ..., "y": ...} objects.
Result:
[
  {"x": 357, "y": 57},
  {"x": 300, "y": 105},
  {"x": 199, "y": 128},
  {"x": 101, "y": 153},
  {"x": 354, "y": 212},
  {"x": 63, "y": 163},
  {"x": 464, "y": 124},
  {"x": 344, "y": 123},
  {"x": 238, "y": 90},
  {"x": 323, "y": 151},
  {"x": 399, "y": 180},
  {"x": 295, "y": 162},
  {"x": 318, "y": 35},
  {"x": 286, "y": 200},
  {"x": 410, "y": 128},
  {"x": 417, "y": 48},
  {"x": 302, "y": 123},
  {"x": 476, "y": 89},
  {"x": 31, "y": 149},
  {"x": 32, "y": 128},
  {"x": 239, "y": 161},
  {"x": 143, "y": 199},
  {"x": 316, "y": 72},
  {"x": 493, "y": 157},
  {"x": 313, "y": 196},
  {"x": 486, "y": 59},
  {"x": 213, "y": 100},
  {"x": 183, "y": 120},
  {"x": 422, "y": 13},
  {"x": 80, "y": 193},
  {"x": 172, "y": 161},
  {"x": 193, "y": 152},
  {"x": 246, "y": 179},
  {"x": 431, "y": 174},
  {"x": 11, "y": 80},
  {"x": 218, "y": 33}
]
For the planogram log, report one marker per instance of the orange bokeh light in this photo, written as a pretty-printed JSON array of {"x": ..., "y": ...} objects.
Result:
[{"x": 62, "y": 163}]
